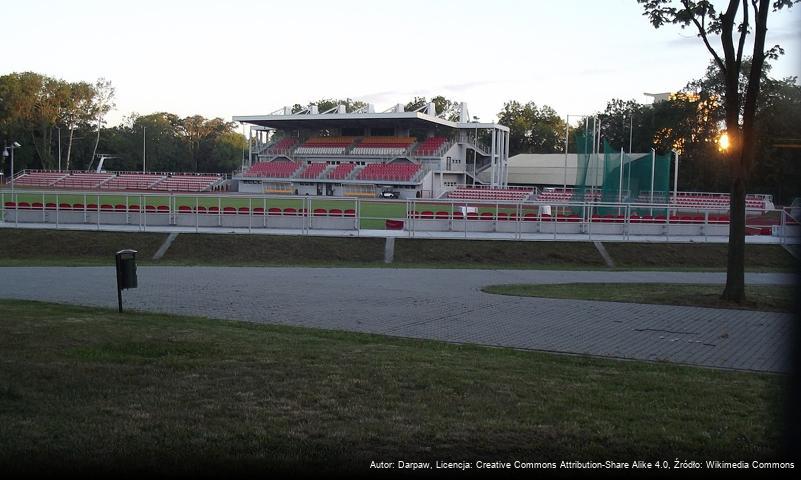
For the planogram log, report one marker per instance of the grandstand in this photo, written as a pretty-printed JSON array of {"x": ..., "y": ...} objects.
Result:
[
  {"x": 473, "y": 193},
  {"x": 120, "y": 181},
  {"x": 362, "y": 153}
]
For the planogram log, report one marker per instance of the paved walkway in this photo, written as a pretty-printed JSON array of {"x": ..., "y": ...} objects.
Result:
[{"x": 440, "y": 304}]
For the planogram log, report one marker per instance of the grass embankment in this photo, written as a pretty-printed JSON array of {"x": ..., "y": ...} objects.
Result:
[
  {"x": 84, "y": 388},
  {"x": 63, "y": 247},
  {"x": 771, "y": 298}
]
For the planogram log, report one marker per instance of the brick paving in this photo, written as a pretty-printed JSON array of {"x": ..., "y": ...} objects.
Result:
[{"x": 441, "y": 304}]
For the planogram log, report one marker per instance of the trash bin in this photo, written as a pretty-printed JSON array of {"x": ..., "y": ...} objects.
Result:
[{"x": 126, "y": 269}]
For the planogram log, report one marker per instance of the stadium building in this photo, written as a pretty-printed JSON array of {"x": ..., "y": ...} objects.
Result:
[{"x": 394, "y": 154}]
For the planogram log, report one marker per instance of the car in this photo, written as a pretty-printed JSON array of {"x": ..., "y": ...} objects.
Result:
[{"x": 388, "y": 194}]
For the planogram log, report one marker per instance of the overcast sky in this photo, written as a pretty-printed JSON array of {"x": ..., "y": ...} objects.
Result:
[{"x": 242, "y": 57}]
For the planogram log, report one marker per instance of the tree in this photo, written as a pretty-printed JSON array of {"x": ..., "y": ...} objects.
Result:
[
  {"x": 446, "y": 108},
  {"x": 103, "y": 103},
  {"x": 739, "y": 103},
  {"x": 532, "y": 129}
]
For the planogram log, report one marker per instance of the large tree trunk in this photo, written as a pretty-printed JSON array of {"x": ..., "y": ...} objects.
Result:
[
  {"x": 735, "y": 267},
  {"x": 743, "y": 148}
]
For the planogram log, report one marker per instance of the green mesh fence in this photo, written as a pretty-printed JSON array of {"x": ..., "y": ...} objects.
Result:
[
  {"x": 621, "y": 177},
  {"x": 584, "y": 142}
]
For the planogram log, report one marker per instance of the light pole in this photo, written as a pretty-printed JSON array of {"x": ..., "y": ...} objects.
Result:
[
  {"x": 59, "y": 148},
  {"x": 5, "y": 154}
]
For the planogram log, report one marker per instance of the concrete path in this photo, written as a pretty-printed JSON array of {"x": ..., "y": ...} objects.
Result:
[{"x": 440, "y": 304}]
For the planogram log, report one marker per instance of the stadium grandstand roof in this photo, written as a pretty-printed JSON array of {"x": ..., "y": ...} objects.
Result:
[{"x": 338, "y": 120}]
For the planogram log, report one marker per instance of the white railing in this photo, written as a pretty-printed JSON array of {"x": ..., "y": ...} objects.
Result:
[{"x": 430, "y": 218}]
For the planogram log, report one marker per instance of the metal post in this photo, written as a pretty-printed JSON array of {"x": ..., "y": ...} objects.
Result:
[
  {"x": 631, "y": 131},
  {"x": 620, "y": 184},
  {"x": 492, "y": 159},
  {"x": 506, "y": 157},
  {"x": 12, "y": 172},
  {"x": 59, "y": 148},
  {"x": 567, "y": 134},
  {"x": 653, "y": 164},
  {"x": 144, "y": 151},
  {"x": 676, "y": 177},
  {"x": 250, "y": 145}
]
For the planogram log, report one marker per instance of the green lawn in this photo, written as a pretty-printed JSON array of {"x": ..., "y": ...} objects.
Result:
[
  {"x": 372, "y": 213},
  {"x": 775, "y": 298},
  {"x": 28, "y": 247},
  {"x": 89, "y": 389}
]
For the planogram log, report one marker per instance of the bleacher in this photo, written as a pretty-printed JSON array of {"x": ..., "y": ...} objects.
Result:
[
  {"x": 342, "y": 171},
  {"x": 404, "y": 172},
  {"x": 132, "y": 181},
  {"x": 721, "y": 200},
  {"x": 274, "y": 169},
  {"x": 83, "y": 180},
  {"x": 312, "y": 170},
  {"x": 119, "y": 181},
  {"x": 187, "y": 183},
  {"x": 513, "y": 194},
  {"x": 281, "y": 146},
  {"x": 38, "y": 179},
  {"x": 325, "y": 146},
  {"x": 380, "y": 145},
  {"x": 565, "y": 195},
  {"x": 431, "y": 146}
]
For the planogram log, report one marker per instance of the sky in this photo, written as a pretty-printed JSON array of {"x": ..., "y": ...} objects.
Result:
[{"x": 252, "y": 57}]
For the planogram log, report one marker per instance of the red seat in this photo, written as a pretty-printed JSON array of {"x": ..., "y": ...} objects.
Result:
[
  {"x": 335, "y": 212},
  {"x": 106, "y": 208},
  {"x": 184, "y": 209},
  {"x": 120, "y": 207},
  {"x": 393, "y": 225},
  {"x": 458, "y": 216},
  {"x": 64, "y": 206},
  {"x": 229, "y": 210},
  {"x": 214, "y": 209},
  {"x": 258, "y": 211},
  {"x": 50, "y": 206},
  {"x": 163, "y": 209},
  {"x": 427, "y": 215},
  {"x": 150, "y": 208},
  {"x": 133, "y": 208},
  {"x": 441, "y": 215},
  {"x": 472, "y": 216},
  {"x": 244, "y": 210},
  {"x": 320, "y": 212},
  {"x": 37, "y": 206},
  {"x": 273, "y": 211},
  {"x": 10, "y": 204},
  {"x": 290, "y": 211},
  {"x": 487, "y": 216},
  {"x": 201, "y": 209},
  {"x": 350, "y": 212}
]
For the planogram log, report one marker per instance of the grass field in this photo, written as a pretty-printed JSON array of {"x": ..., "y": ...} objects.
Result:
[
  {"x": 63, "y": 247},
  {"x": 372, "y": 213},
  {"x": 89, "y": 389},
  {"x": 771, "y": 298}
]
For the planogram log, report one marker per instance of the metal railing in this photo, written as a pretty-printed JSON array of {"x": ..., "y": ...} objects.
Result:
[{"x": 413, "y": 217}]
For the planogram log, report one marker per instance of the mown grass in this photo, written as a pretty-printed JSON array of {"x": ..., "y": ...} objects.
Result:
[
  {"x": 84, "y": 389},
  {"x": 372, "y": 213},
  {"x": 772, "y": 298},
  {"x": 27, "y": 247}
]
